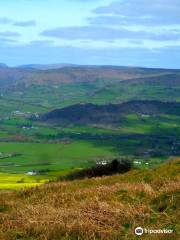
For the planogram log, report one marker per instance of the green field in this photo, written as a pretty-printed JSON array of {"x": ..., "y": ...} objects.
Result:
[
  {"x": 49, "y": 160},
  {"x": 50, "y": 151}
]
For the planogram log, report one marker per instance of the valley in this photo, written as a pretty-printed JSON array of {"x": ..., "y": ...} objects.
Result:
[{"x": 103, "y": 112}]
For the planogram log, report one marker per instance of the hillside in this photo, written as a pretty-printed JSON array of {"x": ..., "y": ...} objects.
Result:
[
  {"x": 108, "y": 114},
  {"x": 34, "y": 90},
  {"x": 19, "y": 76},
  {"x": 164, "y": 88},
  {"x": 105, "y": 208}
]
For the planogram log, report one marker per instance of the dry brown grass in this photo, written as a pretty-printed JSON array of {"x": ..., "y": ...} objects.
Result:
[{"x": 99, "y": 208}]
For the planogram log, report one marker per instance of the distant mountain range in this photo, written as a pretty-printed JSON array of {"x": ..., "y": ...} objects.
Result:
[
  {"x": 62, "y": 65},
  {"x": 61, "y": 73},
  {"x": 46, "y": 66},
  {"x": 2, "y": 65}
]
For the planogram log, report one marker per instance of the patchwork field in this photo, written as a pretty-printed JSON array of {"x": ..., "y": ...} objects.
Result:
[
  {"x": 32, "y": 152},
  {"x": 46, "y": 159},
  {"x": 53, "y": 150}
]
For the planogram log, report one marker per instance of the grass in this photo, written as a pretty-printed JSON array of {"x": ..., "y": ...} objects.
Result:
[
  {"x": 50, "y": 159},
  {"x": 56, "y": 149},
  {"x": 99, "y": 208},
  {"x": 60, "y": 153},
  {"x": 126, "y": 91}
]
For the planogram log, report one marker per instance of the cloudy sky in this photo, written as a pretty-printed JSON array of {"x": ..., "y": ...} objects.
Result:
[{"x": 104, "y": 32}]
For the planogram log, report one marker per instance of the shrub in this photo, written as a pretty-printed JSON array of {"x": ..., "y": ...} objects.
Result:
[{"x": 114, "y": 167}]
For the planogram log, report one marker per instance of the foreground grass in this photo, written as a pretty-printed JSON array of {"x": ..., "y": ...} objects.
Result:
[{"x": 98, "y": 208}]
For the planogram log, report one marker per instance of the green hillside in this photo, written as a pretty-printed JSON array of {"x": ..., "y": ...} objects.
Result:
[{"x": 35, "y": 90}]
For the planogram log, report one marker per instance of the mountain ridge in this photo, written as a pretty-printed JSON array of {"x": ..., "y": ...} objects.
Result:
[{"x": 72, "y": 74}]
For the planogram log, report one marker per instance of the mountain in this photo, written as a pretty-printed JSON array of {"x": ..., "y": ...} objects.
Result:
[
  {"x": 45, "y": 66},
  {"x": 27, "y": 76},
  {"x": 2, "y": 65},
  {"x": 108, "y": 114},
  {"x": 44, "y": 90}
]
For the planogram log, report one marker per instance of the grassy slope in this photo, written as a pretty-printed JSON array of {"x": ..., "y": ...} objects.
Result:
[
  {"x": 166, "y": 88},
  {"x": 99, "y": 208},
  {"x": 43, "y": 97}
]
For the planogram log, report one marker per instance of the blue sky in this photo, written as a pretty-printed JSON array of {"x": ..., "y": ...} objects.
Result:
[{"x": 104, "y": 32}]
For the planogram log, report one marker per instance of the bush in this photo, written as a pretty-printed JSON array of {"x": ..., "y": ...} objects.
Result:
[{"x": 116, "y": 166}]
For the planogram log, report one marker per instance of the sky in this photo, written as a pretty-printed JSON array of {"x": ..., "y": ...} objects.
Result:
[{"x": 91, "y": 32}]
